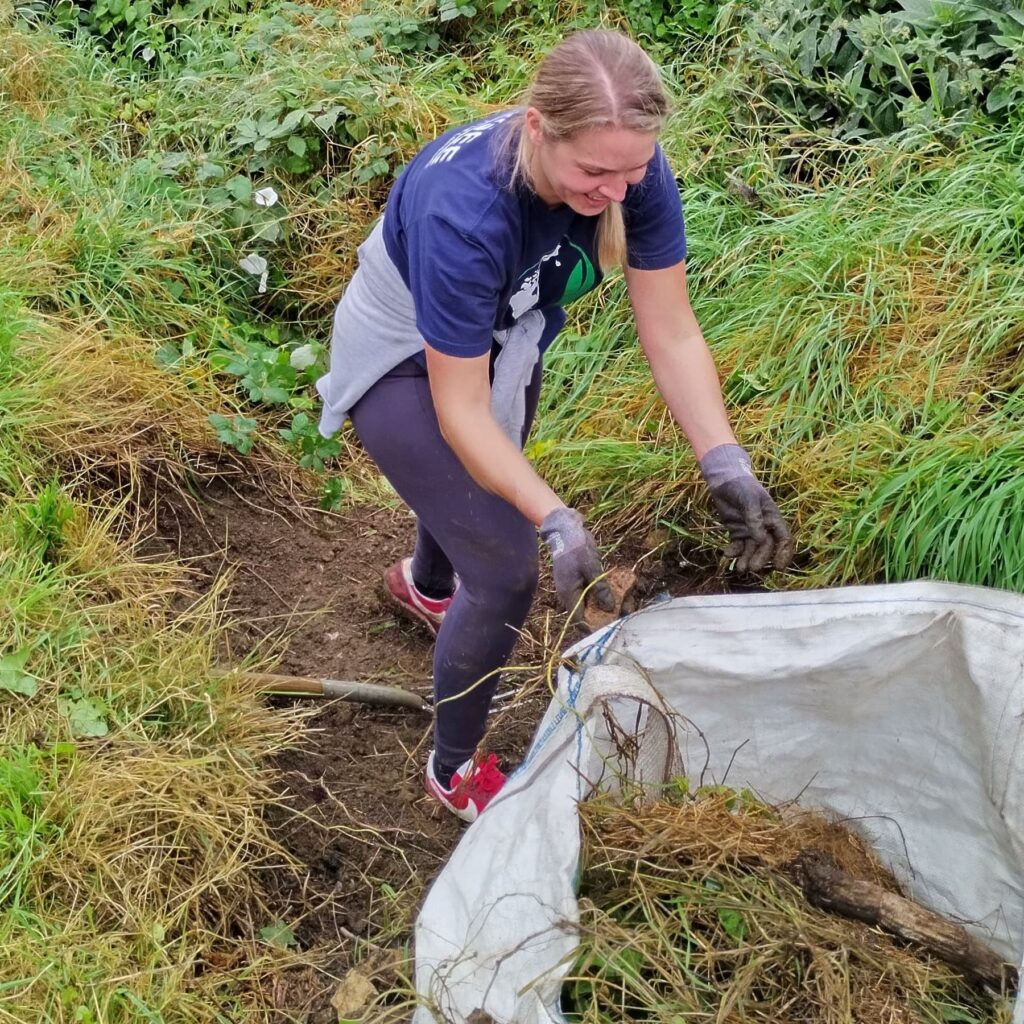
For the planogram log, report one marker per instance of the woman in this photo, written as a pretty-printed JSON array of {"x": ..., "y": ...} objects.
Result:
[{"x": 436, "y": 356}]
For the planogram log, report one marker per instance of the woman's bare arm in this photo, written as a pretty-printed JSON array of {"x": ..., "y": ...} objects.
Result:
[{"x": 461, "y": 391}]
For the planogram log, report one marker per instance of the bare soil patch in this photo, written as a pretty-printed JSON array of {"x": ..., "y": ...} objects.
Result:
[{"x": 308, "y": 586}]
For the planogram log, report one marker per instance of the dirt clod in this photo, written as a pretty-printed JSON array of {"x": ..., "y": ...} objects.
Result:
[
  {"x": 353, "y": 995},
  {"x": 622, "y": 582}
]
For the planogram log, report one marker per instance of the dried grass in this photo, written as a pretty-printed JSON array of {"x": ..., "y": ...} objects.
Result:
[
  {"x": 688, "y": 914},
  {"x": 33, "y": 70},
  {"x": 98, "y": 405},
  {"x": 323, "y": 246},
  {"x": 139, "y": 889}
]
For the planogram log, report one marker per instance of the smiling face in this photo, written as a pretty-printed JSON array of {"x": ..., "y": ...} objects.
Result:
[{"x": 589, "y": 170}]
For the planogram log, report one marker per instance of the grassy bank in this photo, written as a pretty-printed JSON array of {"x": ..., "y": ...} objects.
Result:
[
  {"x": 132, "y": 781},
  {"x": 861, "y": 298},
  {"x": 863, "y": 301}
]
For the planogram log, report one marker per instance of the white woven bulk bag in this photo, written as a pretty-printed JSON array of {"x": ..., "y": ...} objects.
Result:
[{"x": 899, "y": 708}]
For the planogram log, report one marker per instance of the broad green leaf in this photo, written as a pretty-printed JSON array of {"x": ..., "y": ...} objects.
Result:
[
  {"x": 362, "y": 25},
  {"x": 292, "y": 121},
  {"x": 13, "y": 678},
  {"x": 168, "y": 355},
  {"x": 733, "y": 923},
  {"x": 357, "y": 128},
  {"x": 86, "y": 715},
  {"x": 171, "y": 162},
  {"x": 275, "y": 395},
  {"x": 918, "y": 12},
  {"x": 278, "y": 934},
  {"x": 240, "y": 187},
  {"x": 1002, "y": 96},
  {"x": 326, "y": 121},
  {"x": 987, "y": 50},
  {"x": 809, "y": 48},
  {"x": 269, "y": 232},
  {"x": 208, "y": 170}
]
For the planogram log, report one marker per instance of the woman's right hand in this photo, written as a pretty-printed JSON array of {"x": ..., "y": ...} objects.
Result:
[
  {"x": 575, "y": 562},
  {"x": 460, "y": 388}
]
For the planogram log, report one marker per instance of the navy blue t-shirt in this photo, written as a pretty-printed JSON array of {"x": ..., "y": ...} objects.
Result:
[{"x": 476, "y": 255}]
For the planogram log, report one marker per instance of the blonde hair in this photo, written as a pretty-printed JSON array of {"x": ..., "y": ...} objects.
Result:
[{"x": 592, "y": 79}]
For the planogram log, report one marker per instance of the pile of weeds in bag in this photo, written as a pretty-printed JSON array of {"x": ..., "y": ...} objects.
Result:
[{"x": 713, "y": 906}]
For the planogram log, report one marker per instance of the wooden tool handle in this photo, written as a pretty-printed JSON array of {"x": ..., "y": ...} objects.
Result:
[{"x": 341, "y": 689}]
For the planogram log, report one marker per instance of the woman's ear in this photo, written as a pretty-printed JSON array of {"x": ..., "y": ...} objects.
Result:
[{"x": 534, "y": 122}]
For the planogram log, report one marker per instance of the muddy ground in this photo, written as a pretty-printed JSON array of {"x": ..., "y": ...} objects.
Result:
[{"x": 352, "y": 810}]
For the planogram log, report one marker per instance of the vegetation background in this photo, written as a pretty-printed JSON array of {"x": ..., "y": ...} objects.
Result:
[{"x": 182, "y": 187}]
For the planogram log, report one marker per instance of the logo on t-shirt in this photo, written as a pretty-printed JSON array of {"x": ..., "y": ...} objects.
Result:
[
  {"x": 556, "y": 279},
  {"x": 450, "y": 150}
]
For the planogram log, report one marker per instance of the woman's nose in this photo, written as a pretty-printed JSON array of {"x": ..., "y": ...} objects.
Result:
[{"x": 614, "y": 190}]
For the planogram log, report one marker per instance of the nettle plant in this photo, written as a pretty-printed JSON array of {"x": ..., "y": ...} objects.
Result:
[
  {"x": 146, "y": 32},
  {"x": 427, "y": 28},
  {"x": 666, "y": 26},
  {"x": 397, "y": 32},
  {"x": 662, "y": 25},
  {"x": 273, "y": 368},
  {"x": 276, "y": 371},
  {"x": 872, "y": 67},
  {"x": 330, "y": 135}
]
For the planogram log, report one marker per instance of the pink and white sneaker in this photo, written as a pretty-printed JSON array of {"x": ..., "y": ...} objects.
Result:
[
  {"x": 402, "y": 590},
  {"x": 473, "y": 786}
]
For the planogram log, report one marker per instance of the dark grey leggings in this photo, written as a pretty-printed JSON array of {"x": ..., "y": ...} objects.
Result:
[{"x": 460, "y": 528}]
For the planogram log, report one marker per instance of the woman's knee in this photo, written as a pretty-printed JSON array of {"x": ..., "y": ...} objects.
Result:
[
  {"x": 523, "y": 574},
  {"x": 514, "y": 581},
  {"x": 505, "y": 568}
]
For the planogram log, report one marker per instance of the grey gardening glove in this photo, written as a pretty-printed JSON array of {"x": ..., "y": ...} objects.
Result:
[
  {"x": 757, "y": 530},
  {"x": 575, "y": 562}
]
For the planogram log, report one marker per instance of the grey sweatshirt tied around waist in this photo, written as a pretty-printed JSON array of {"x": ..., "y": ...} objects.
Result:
[{"x": 375, "y": 330}]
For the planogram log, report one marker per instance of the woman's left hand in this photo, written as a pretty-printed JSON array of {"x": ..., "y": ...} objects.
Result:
[{"x": 756, "y": 528}]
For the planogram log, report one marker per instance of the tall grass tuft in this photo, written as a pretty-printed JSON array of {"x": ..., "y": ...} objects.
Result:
[{"x": 132, "y": 785}]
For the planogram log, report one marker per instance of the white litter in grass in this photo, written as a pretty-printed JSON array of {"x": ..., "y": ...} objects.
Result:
[
  {"x": 302, "y": 358},
  {"x": 265, "y": 196},
  {"x": 257, "y": 266}
]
